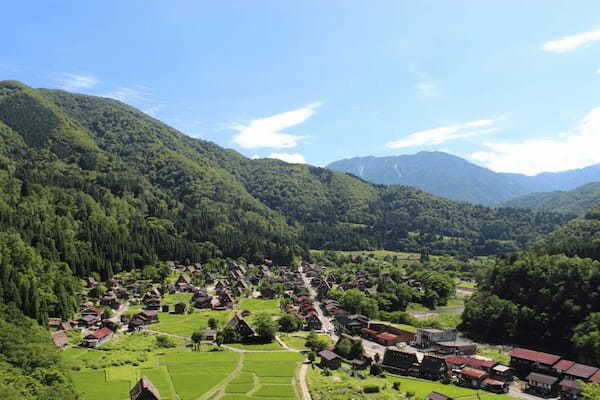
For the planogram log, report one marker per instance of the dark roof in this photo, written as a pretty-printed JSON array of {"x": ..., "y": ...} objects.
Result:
[
  {"x": 563, "y": 365},
  {"x": 596, "y": 377},
  {"x": 100, "y": 334},
  {"x": 60, "y": 339},
  {"x": 569, "y": 384},
  {"x": 541, "y": 378},
  {"x": 144, "y": 390},
  {"x": 438, "y": 396},
  {"x": 399, "y": 359},
  {"x": 472, "y": 372},
  {"x": 581, "y": 371},
  {"x": 537, "y": 356},
  {"x": 492, "y": 382},
  {"x": 328, "y": 355}
]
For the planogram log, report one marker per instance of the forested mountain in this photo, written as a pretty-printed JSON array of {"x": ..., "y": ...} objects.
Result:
[
  {"x": 547, "y": 297},
  {"x": 92, "y": 185},
  {"x": 576, "y": 201},
  {"x": 455, "y": 178}
]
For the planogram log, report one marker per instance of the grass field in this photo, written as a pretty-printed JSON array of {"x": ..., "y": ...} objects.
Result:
[
  {"x": 265, "y": 376},
  {"x": 297, "y": 340},
  {"x": 265, "y": 346},
  {"x": 340, "y": 386},
  {"x": 179, "y": 373},
  {"x": 186, "y": 324}
]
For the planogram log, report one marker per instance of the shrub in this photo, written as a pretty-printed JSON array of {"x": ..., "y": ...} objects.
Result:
[{"x": 371, "y": 389}]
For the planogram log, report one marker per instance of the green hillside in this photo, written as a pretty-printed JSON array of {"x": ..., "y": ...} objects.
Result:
[
  {"x": 92, "y": 185},
  {"x": 576, "y": 201}
]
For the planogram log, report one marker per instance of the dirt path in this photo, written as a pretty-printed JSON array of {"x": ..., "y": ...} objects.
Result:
[
  {"x": 217, "y": 391},
  {"x": 302, "y": 380}
]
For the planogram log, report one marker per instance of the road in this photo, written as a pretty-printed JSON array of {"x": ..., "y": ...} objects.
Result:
[{"x": 328, "y": 327}]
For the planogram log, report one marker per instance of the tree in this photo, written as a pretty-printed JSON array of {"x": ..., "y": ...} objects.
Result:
[
  {"x": 196, "y": 340},
  {"x": 265, "y": 327},
  {"x": 228, "y": 335},
  {"x": 591, "y": 391},
  {"x": 376, "y": 370},
  {"x": 107, "y": 312},
  {"x": 289, "y": 323},
  {"x": 165, "y": 341},
  {"x": 312, "y": 356},
  {"x": 343, "y": 347},
  {"x": 356, "y": 350},
  {"x": 586, "y": 338},
  {"x": 212, "y": 323}
]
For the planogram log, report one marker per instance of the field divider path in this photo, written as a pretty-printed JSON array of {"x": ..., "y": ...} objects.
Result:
[{"x": 221, "y": 386}]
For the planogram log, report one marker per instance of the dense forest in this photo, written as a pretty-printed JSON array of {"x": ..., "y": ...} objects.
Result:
[
  {"x": 548, "y": 297},
  {"x": 90, "y": 185},
  {"x": 577, "y": 201},
  {"x": 31, "y": 367}
]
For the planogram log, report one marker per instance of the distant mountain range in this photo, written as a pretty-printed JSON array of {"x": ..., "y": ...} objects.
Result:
[{"x": 455, "y": 178}]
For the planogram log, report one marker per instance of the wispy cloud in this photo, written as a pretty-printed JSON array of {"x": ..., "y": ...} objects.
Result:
[
  {"x": 444, "y": 134},
  {"x": 570, "y": 43},
  {"x": 567, "y": 150},
  {"x": 75, "y": 83},
  {"x": 598, "y": 71},
  {"x": 136, "y": 94},
  {"x": 267, "y": 132},
  {"x": 292, "y": 158},
  {"x": 427, "y": 89}
]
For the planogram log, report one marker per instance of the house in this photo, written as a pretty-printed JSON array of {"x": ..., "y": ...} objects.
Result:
[
  {"x": 180, "y": 308},
  {"x": 524, "y": 361},
  {"x": 330, "y": 360},
  {"x": 111, "y": 301},
  {"x": 89, "y": 317},
  {"x": 185, "y": 279},
  {"x": 98, "y": 338},
  {"x": 569, "y": 389},
  {"x": 144, "y": 390},
  {"x": 209, "y": 335},
  {"x": 145, "y": 317},
  {"x": 471, "y": 377},
  {"x": 60, "y": 339},
  {"x": 427, "y": 337},
  {"x": 542, "y": 384},
  {"x": 438, "y": 396},
  {"x": 580, "y": 371},
  {"x": 595, "y": 378},
  {"x": 241, "y": 326},
  {"x": 502, "y": 372},
  {"x": 54, "y": 323},
  {"x": 455, "y": 347},
  {"x": 400, "y": 362},
  {"x": 202, "y": 301},
  {"x": 433, "y": 368},
  {"x": 496, "y": 386},
  {"x": 313, "y": 321}
]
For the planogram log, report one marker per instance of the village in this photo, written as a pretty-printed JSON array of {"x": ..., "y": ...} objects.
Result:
[{"x": 125, "y": 305}]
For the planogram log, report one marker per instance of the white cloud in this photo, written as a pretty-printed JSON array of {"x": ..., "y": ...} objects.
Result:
[
  {"x": 443, "y": 134},
  {"x": 267, "y": 132},
  {"x": 74, "y": 82},
  {"x": 570, "y": 150},
  {"x": 427, "y": 89},
  {"x": 293, "y": 158},
  {"x": 598, "y": 71},
  {"x": 570, "y": 43},
  {"x": 136, "y": 94}
]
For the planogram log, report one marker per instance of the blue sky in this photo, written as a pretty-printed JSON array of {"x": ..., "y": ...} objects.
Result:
[{"x": 511, "y": 85}]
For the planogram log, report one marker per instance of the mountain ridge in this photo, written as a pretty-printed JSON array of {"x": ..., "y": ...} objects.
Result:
[{"x": 453, "y": 177}]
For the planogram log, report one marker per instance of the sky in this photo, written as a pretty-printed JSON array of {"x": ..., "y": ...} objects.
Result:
[{"x": 510, "y": 85}]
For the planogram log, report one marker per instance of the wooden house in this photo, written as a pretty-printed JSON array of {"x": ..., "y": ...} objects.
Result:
[
  {"x": 542, "y": 384},
  {"x": 433, "y": 368},
  {"x": 98, "y": 338},
  {"x": 524, "y": 361},
  {"x": 241, "y": 326},
  {"x": 180, "y": 308},
  {"x": 144, "y": 390},
  {"x": 400, "y": 362},
  {"x": 60, "y": 339},
  {"x": 330, "y": 360}
]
